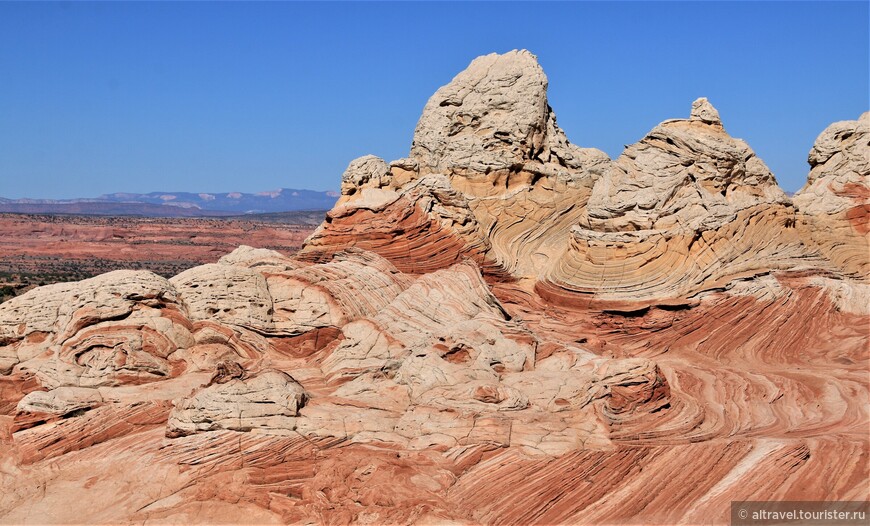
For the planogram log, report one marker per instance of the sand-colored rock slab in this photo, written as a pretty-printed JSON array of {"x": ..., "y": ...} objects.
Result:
[
  {"x": 269, "y": 399},
  {"x": 226, "y": 293}
]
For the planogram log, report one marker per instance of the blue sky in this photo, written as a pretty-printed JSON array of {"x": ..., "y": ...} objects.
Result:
[{"x": 139, "y": 97}]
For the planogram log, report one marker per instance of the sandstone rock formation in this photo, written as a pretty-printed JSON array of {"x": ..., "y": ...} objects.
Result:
[
  {"x": 839, "y": 168},
  {"x": 501, "y": 328},
  {"x": 494, "y": 116},
  {"x": 430, "y": 364},
  {"x": 693, "y": 207},
  {"x": 267, "y": 400},
  {"x": 490, "y": 177},
  {"x": 685, "y": 210},
  {"x": 835, "y": 202},
  {"x": 686, "y": 174}
]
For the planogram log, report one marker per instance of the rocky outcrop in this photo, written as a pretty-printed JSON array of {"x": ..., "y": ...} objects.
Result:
[
  {"x": 630, "y": 270},
  {"x": 422, "y": 227},
  {"x": 445, "y": 366},
  {"x": 259, "y": 259},
  {"x": 39, "y": 407},
  {"x": 495, "y": 116},
  {"x": 226, "y": 293},
  {"x": 686, "y": 210},
  {"x": 268, "y": 400},
  {"x": 412, "y": 351},
  {"x": 27, "y": 321},
  {"x": 413, "y": 321},
  {"x": 500, "y": 318},
  {"x": 366, "y": 172},
  {"x": 839, "y": 169},
  {"x": 403, "y": 350},
  {"x": 834, "y": 205},
  {"x": 117, "y": 328},
  {"x": 490, "y": 177},
  {"x": 352, "y": 285},
  {"x": 685, "y": 174}
]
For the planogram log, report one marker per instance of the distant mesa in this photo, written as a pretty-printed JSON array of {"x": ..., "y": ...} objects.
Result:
[
  {"x": 273, "y": 193},
  {"x": 178, "y": 204}
]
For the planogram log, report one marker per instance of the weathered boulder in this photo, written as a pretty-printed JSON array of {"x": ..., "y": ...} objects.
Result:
[
  {"x": 364, "y": 172},
  {"x": 268, "y": 400},
  {"x": 60, "y": 401},
  {"x": 226, "y": 293},
  {"x": 260, "y": 259},
  {"x": 115, "y": 328},
  {"x": 38, "y": 407},
  {"x": 494, "y": 116}
]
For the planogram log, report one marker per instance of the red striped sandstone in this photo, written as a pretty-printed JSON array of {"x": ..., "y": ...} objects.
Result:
[{"x": 503, "y": 328}]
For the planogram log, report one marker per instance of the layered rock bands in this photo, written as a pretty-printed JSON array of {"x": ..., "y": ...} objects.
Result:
[{"x": 501, "y": 328}]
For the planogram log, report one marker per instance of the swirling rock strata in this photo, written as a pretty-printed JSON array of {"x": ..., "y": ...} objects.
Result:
[
  {"x": 502, "y": 328},
  {"x": 351, "y": 285},
  {"x": 685, "y": 174},
  {"x": 490, "y": 177},
  {"x": 117, "y": 328},
  {"x": 431, "y": 364},
  {"x": 38, "y": 407},
  {"x": 422, "y": 227},
  {"x": 687, "y": 209}
]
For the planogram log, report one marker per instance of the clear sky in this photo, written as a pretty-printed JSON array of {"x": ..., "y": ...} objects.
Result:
[{"x": 139, "y": 97}]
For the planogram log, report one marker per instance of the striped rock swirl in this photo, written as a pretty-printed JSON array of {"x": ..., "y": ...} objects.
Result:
[{"x": 502, "y": 328}]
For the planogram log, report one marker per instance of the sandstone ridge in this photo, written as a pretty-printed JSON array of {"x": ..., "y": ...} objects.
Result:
[
  {"x": 491, "y": 177},
  {"x": 502, "y": 328}
]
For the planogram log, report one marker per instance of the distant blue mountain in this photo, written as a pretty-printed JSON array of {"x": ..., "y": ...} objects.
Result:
[{"x": 174, "y": 204}]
